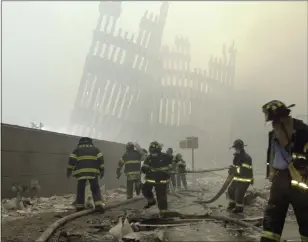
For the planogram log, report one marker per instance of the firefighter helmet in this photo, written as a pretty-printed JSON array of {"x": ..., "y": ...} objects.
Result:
[
  {"x": 155, "y": 147},
  {"x": 274, "y": 110},
  {"x": 238, "y": 144},
  {"x": 178, "y": 156},
  {"x": 130, "y": 146},
  {"x": 85, "y": 140},
  {"x": 169, "y": 151}
]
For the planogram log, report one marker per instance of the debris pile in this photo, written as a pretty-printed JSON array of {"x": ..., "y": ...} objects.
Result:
[
  {"x": 16, "y": 208},
  {"x": 257, "y": 200}
]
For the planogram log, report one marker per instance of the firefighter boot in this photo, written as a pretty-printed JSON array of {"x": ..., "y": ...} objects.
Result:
[
  {"x": 231, "y": 206},
  {"x": 138, "y": 187},
  {"x": 150, "y": 203},
  {"x": 164, "y": 214},
  {"x": 100, "y": 209},
  {"x": 238, "y": 210}
]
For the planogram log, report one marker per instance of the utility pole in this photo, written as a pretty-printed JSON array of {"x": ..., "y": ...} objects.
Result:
[{"x": 193, "y": 159}]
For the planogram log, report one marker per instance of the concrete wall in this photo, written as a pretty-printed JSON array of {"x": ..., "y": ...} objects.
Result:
[{"x": 29, "y": 153}]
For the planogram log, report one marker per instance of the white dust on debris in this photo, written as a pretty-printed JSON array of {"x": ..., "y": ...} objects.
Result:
[{"x": 15, "y": 208}]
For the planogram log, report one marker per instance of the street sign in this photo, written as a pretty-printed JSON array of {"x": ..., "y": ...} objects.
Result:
[
  {"x": 183, "y": 144},
  {"x": 190, "y": 143}
]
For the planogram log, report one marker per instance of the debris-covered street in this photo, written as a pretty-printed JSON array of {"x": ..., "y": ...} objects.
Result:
[{"x": 28, "y": 224}]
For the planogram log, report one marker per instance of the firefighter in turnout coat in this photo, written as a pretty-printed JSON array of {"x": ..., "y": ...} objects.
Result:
[
  {"x": 242, "y": 168},
  {"x": 287, "y": 166},
  {"x": 86, "y": 163},
  {"x": 156, "y": 167},
  {"x": 132, "y": 162},
  {"x": 181, "y": 169}
]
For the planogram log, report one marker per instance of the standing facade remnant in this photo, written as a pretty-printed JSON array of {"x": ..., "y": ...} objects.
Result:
[{"x": 133, "y": 88}]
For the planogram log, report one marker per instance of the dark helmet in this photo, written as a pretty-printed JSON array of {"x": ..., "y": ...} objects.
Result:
[
  {"x": 169, "y": 151},
  {"x": 155, "y": 147},
  {"x": 238, "y": 144},
  {"x": 85, "y": 140},
  {"x": 178, "y": 156},
  {"x": 130, "y": 146},
  {"x": 145, "y": 151},
  {"x": 274, "y": 110}
]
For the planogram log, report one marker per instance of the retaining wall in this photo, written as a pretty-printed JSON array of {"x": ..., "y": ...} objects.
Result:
[{"x": 30, "y": 153}]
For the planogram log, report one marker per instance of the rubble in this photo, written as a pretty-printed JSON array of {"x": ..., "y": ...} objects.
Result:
[
  {"x": 145, "y": 236},
  {"x": 17, "y": 208},
  {"x": 95, "y": 228},
  {"x": 116, "y": 231}
]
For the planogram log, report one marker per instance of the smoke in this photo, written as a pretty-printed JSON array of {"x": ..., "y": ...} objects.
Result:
[{"x": 275, "y": 64}]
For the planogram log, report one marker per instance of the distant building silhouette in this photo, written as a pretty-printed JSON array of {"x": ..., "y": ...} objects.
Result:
[{"x": 133, "y": 88}]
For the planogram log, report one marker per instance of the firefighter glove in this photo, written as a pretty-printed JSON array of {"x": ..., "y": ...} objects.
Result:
[
  {"x": 301, "y": 163},
  {"x": 304, "y": 173},
  {"x": 68, "y": 173},
  {"x": 118, "y": 172},
  {"x": 232, "y": 170},
  {"x": 145, "y": 169}
]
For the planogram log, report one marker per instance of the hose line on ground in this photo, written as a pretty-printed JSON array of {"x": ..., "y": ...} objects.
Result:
[
  {"x": 220, "y": 192},
  {"x": 53, "y": 227},
  {"x": 202, "y": 171}
]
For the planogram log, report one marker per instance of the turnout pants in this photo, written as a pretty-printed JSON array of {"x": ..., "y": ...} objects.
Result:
[
  {"x": 130, "y": 185},
  {"x": 281, "y": 195},
  {"x": 236, "y": 193},
  {"x": 161, "y": 195},
  {"x": 181, "y": 180},
  {"x": 96, "y": 193},
  {"x": 172, "y": 183},
  {"x": 173, "y": 179}
]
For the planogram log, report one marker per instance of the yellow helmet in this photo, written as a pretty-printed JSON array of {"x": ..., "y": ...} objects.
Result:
[{"x": 275, "y": 110}]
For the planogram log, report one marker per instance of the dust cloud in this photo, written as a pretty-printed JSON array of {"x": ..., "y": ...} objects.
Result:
[{"x": 45, "y": 45}]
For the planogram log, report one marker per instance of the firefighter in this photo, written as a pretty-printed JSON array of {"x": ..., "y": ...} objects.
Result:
[
  {"x": 181, "y": 169},
  {"x": 132, "y": 161},
  {"x": 156, "y": 167},
  {"x": 288, "y": 171},
  {"x": 242, "y": 168},
  {"x": 87, "y": 163},
  {"x": 173, "y": 176}
]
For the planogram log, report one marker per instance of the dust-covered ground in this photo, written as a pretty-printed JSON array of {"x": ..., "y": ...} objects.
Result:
[
  {"x": 27, "y": 224},
  {"x": 95, "y": 227}
]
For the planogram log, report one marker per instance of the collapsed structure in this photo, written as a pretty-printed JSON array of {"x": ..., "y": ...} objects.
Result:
[{"x": 134, "y": 88}]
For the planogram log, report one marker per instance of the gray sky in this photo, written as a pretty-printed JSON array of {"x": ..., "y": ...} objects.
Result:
[{"x": 45, "y": 44}]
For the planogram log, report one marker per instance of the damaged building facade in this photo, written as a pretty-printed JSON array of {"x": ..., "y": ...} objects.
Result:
[{"x": 133, "y": 88}]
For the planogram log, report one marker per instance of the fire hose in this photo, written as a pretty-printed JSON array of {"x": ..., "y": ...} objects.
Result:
[
  {"x": 202, "y": 171},
  {"x": 53, "y": 227},
  {"x": 220, "y": 192}
]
